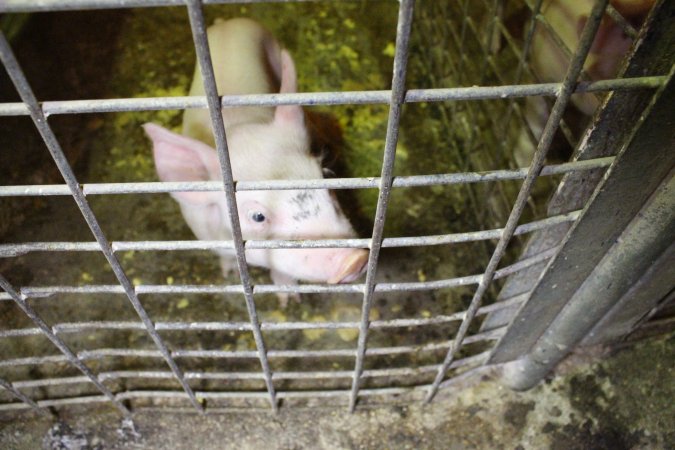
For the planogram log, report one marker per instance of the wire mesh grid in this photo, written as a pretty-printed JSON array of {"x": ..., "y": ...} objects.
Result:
[{"x": 486, "y": 118}]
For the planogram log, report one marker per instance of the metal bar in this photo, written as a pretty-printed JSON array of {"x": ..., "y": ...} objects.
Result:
[
  {"x": 462, "y": 155},
  {"x": 649, "y": 154},
  {"x": 80, "y": 327},
  {"x": 198, "y": 27},
  {"x": 55, "y": 402},
  {"x": 462, "y": 39},
  {"x": 68, "y": 5},
  {"x": 327, "y": 98},
  {"x": 324, "y": 183},
  {"x": 47, "y": 332},
  {"x": 40, "y": 121},
  {"x": 588, "y": 34},
  {"x": 488, "y": 61},
  {"x": 522, "y": 60},
  {"x": 11, "y": 250},
  {"x": 558, "y": 40},
  {"x": 30, "y": 384},
  {"x": 46, "y": 291},
  {"x": 491, "y": 335},
  {"x": 626, "y": 27},
  {"x": 653, "y": 53},
  {"x": 309, "y": 375},
  {"x": 403, "y": 28},
  {"x": 130, "y": 395},
  {"x": 638, "y": 303},
  {"x": 645, "y": 238},
  {"x": 23, "y": 397}
]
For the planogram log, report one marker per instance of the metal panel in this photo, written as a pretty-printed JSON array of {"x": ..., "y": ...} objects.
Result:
[
  {"x": 633, "y": 253},
  {"x": 642, "y": 298},
  {"x": 590, "y": 29},
  {"x": 653, "y": 53},
  {"x": 638, "y": 170}
]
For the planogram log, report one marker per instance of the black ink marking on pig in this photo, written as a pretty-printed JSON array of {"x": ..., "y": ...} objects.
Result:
[{"x": 306, "y": 205}]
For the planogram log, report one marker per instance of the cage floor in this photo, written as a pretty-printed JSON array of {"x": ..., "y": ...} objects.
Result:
[{"x": 623, "y": 402}]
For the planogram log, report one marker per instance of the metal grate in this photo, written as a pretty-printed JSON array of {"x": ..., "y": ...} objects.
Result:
[{"x": 458, "y": 99}]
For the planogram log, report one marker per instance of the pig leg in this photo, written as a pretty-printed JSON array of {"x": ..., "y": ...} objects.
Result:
[
  {"x": 282, "y": 279},
  {"x": 228, "y": 265}
]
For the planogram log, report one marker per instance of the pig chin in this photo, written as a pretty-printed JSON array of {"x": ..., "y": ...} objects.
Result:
[{"x": 324, "y": 266}]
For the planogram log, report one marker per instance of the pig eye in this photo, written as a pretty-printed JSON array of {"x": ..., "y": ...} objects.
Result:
[{"x": 257, "y": 216}]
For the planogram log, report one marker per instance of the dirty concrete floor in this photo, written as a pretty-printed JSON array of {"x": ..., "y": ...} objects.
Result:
[{"x": 625, "y": 402}]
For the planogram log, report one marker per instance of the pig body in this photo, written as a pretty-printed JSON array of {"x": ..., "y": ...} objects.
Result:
[
  {"x": 550, "y": 63},
  {"x": 265, "y": 143}
]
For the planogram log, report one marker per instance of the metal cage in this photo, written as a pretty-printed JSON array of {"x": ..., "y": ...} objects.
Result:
[{"x": 610, "y": 217}]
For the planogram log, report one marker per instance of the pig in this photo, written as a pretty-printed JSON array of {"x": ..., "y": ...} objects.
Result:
[
  {"x": 549, "y": 62},
  {"x": 265, "y": 143}
]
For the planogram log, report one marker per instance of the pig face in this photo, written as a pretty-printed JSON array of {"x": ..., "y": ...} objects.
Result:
[
  {"x": 264, "y": 144},
  {"x": 263, "y": 152}
]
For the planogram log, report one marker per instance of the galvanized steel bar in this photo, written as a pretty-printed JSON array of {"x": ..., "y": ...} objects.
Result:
[
  {"x": 23, "y": 397},
  {"x": 198, "y": 27},
  {"x": 403, "y": 28},
  {"x": 30, "y": 384},
  {"x": 68, "y": 355},
  {"x": 605, "y": 136},
  {"x": 69, "y": 5},
  {"x": 524, "y": 54},
  {"x": 324, "y": 183},
  {"x": 588, "y": 34},
  {"x": 80, "y": 327},
  {"x": 327, "y": 98},
  {"x": 649, "y": 153},
  {"x": 130, "y": 395},
  {"x": 56, "y": 402},
  {"x": 10, "y": 250},
  {"x": 102, "y": 353},
  {"x": 626, "y": 27},
  {"x": 309, "y": 375},
  {"x": 643, "y": 240},
  {"x": 46, "y": 291},
  {"x": 638, "y": 304},
  {"x": 26, "y": 93}
]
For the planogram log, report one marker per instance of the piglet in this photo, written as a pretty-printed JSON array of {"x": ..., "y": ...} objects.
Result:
[
  {"x": 265, "y": 143},
  {"x": 568, "y": 18}
]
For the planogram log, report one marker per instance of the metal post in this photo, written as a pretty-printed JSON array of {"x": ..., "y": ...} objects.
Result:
[
  {"x": 588, "y": 276},
  {"x": 397, "y": 98}
]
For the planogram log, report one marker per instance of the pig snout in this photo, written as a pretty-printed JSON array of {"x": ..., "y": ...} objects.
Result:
[
  {"x": 328, "y": 265},
  {"x": 351, "y": 266}
]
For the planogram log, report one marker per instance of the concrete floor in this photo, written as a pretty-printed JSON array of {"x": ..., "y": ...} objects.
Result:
[{"x": 624, "y": 402}]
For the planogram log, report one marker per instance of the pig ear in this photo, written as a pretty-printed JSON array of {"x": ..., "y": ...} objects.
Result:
[
  {"x": 179, "y": 158},
  {"x": 288, "y": 114}
]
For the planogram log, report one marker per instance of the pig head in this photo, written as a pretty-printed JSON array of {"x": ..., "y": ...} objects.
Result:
[{"x": 264, "y": 144}]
